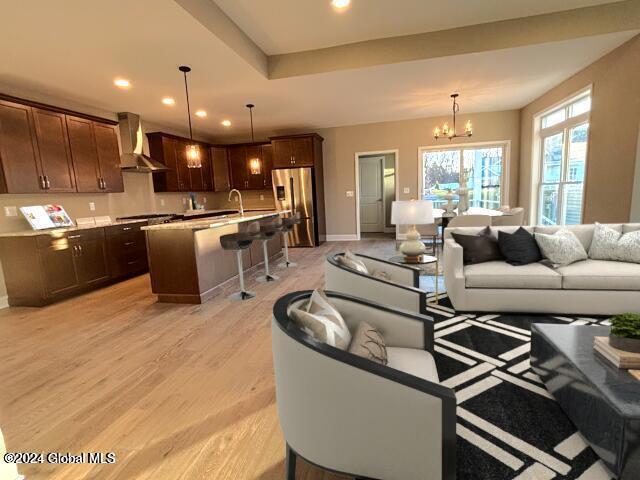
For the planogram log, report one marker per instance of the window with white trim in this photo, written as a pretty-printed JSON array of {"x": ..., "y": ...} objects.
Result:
[
  {"x": 483, "y": 167},
  {"x": 563, "y": 139}
]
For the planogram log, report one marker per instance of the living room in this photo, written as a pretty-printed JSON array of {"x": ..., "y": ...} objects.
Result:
[{"x": 320, "y": 240}]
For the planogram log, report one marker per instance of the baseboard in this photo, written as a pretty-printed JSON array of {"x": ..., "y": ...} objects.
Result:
[
  {"x": 4, "y": 302},
  {"x": 342, "y": 238}
]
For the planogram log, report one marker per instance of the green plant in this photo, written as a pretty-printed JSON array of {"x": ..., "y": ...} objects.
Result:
[{"x": 626, "y": 325}]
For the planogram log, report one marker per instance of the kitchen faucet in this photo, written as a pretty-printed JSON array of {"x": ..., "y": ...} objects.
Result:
[{"x": 239, "y": 199}]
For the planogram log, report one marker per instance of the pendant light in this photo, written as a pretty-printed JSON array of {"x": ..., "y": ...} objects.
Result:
[
  {"x": 193, "y": 152},
  {"x": 255, "y": 164}
]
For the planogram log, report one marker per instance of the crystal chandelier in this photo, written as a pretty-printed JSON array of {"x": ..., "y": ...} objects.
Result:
[{"x": 450, "y": 132}]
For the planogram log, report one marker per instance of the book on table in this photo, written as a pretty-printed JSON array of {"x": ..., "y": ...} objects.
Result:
[{"x": 617, "y": 357}]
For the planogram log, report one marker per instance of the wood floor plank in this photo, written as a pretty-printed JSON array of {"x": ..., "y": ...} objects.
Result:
[{"x": 177, "y": 391}]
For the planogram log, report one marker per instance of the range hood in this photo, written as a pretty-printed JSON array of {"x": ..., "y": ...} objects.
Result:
[{"x": 132, "y": 158}]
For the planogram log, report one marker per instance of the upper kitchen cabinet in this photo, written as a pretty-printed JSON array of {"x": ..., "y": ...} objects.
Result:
[
  {"x": 220, "y": 165},
  {"x": 48, "y": 149},
  {"x": 240, "y": 157},
  {"x": 297, "y": 150},
  {"x": 20, "y": 171},
  {"x": 267, "y": 162},
  {"x": 238, "y": 167},
  {"x": 95, "y": 154},
  {"x": 53, "y": 146},
  {"x": 172, "y": 152}
]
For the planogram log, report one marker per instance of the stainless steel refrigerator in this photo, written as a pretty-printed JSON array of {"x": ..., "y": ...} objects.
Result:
[{"x": 295, "y": 189}]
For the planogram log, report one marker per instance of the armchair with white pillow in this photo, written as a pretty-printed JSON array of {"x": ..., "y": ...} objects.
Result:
[
  {"x": 345, "y": 413},
  {"x": 376, "y": 279}
]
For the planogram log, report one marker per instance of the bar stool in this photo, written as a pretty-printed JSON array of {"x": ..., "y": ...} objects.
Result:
[
  {"x": 238, "y": 242},
  {"x": 287, "y": 225},
  {"x": 264, "y": 233}
]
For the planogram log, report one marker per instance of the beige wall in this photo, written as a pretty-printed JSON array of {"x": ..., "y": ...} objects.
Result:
[
  {"x": 342, "y": 143},
  {"x": 615, "y": 116}
]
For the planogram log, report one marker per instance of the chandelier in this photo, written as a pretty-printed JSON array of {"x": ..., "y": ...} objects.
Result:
[
  {"x": 450, "y": 132},
  {"x": 193, "y": 151},
  {"x": 255, "y": 165}
]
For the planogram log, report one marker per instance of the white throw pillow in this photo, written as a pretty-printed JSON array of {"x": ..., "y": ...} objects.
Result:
[
  {"x": 322, "y": 321},
  {"x": 609, "y": 244},
  {"x": 561, "y": 248},
  {"x": 350, "y": 260}
]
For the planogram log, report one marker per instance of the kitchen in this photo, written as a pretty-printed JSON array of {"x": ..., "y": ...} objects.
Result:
[{"x": 115, "y": 176}]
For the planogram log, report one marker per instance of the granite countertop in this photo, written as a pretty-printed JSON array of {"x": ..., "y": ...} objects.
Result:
[
  {"x": 35, "y": 233},
  {"x": 215, "y": 222}
]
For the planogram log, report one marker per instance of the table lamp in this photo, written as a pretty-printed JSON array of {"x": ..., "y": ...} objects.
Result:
[{"x": 412, "y": 213}]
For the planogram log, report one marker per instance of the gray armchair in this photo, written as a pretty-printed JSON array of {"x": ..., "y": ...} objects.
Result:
[
  {"x": 399, "y": 289},
  {"x": 349, "y": 415}
]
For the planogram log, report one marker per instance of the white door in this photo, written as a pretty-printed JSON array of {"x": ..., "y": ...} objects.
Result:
[{"x": 371, "y": 213}]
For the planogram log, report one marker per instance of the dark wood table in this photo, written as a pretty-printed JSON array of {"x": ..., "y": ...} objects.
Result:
[{"x": 601, "y": 400}]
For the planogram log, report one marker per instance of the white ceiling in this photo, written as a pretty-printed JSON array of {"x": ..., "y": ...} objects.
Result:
[
  {"x": 284, "y": 26},
  {"x": 145, "y": 41}
]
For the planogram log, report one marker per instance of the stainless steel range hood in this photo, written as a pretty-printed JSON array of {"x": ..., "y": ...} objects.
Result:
[{"x": 132, "y": 158}]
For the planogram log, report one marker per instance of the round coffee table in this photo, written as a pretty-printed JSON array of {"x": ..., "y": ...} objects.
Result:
[{"x": 419, "y": 261}]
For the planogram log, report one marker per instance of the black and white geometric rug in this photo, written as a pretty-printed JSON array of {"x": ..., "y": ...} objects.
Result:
[{"x": 509, "y": 426}]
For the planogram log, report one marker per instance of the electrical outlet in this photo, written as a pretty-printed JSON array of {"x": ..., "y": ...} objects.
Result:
[
  {"x": 261, "y": 197},
  {"x": 349, "y": 193},
  {"x": 406, "y": 190},
  {"x": 235, "y": 199},
  {"x": 184, "y": 200},
  {"x": 204, "y": 199},
  {"x": 162, "y": 202},
  {"x": 92, "y": 206},
  {"x": 10, "y": 211}
]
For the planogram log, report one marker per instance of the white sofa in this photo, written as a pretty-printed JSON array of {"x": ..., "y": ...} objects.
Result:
[
  {"x": 349, "y": 415},
  {"x": 589, "y": 287}
]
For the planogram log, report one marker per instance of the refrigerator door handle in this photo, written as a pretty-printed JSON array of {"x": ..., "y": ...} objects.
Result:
[{"x": 293, "y": 197}]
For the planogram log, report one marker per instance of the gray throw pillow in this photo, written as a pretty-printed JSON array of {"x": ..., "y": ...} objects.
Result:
[
  {"x": 368, "y": 343},
  {"x": 561, "y": 248},
  {"x": 609, "y": 244}
]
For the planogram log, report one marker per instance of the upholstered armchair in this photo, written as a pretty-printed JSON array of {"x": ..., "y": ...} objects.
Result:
[
  {"x": 349, "y": 415},
  {"x": 386, "y": 282}
]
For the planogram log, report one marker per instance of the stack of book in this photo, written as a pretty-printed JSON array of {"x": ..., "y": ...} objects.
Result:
[{"x": 618, "y": 358}]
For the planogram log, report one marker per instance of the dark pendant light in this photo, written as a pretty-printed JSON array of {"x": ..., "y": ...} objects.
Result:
[
  {"x": 255, "y": 164},
  {"x": 193, "y": 151}
]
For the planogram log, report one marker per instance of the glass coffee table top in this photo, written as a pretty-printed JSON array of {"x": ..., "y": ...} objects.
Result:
[{"x": 419, "y": 260}]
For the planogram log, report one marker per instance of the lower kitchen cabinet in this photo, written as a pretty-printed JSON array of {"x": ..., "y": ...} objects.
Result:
[{"x": 41, "y": 269}]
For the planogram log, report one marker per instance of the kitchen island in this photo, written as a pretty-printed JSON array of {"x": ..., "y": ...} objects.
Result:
[{"x": 187, "y": 262}]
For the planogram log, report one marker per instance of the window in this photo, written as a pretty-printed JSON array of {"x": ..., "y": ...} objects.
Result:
[
  {"x": 482, "y": 166},
  {"x": 563, "y": 136}
]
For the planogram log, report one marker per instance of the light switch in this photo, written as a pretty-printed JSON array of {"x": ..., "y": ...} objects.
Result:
[
  {"x": 349, "y": 193},
  {"x": 10, "y": 212},
  {"x": 162, "y": 202},
  {"x": 261, "y": 197},
  {"x": 406, "y": 190},
  {"x": 92, "y": 206}
]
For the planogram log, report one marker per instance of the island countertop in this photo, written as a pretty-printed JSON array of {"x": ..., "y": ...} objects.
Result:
[{"x": 214, "y": 222}]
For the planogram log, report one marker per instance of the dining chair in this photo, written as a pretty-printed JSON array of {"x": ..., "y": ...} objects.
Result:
[
  {"x": 513, "y": 217},
  {"x": 470, "y": 221}
]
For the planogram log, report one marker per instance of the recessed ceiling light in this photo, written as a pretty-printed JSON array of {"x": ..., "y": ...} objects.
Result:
[
  {"x": 340, "y": 5},
  {"x": 226, "y": 123},
  {"x": 122, "y": 83},
  {"x": 168, "y": 101},
  {"x": 201, "y": 113}
]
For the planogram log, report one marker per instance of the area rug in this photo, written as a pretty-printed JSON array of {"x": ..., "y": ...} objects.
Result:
[{"x": 509, "y": 426}]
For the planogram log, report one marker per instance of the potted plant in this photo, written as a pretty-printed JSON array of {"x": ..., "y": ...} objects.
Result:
[{"x": 625, "y": 332}]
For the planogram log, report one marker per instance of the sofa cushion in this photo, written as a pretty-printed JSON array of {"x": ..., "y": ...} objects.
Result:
[
  {"x": 478, "y": 248},
  {"x": 418, "y": 363},
  {"x": 600, "y": 275},
  {"x": 561, "y": 248},
  {"x": 519, "y": 247},
  {"x": 503, "y": 275}
]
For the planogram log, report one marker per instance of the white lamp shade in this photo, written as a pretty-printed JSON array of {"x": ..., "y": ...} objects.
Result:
[{"x": 412, "y": 212}]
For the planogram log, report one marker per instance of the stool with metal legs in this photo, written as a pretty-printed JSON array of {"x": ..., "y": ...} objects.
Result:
[
  {"x": 264, "y": 233},
  {"x": 287, "y": 225},
  {"x": 238, "y": 242}
]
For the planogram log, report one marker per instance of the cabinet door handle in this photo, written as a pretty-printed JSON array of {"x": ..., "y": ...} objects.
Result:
[
  {"x": 74, "y": 236},
  {"x": 80, "y": 249},
  {"x": 104, "y": 184},
  {"x": 132, "y": 262},
  {"x": 128, "y": 244},
  {"x": 124, "y": 229},
  {"x": 47, "y": 183},
  {"x": 42, "y": 184}
]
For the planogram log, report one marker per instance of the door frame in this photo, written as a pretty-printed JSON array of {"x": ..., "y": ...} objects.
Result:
[{"x": 396, "y": 154}]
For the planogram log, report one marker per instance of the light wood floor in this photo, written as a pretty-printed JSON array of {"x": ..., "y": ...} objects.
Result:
[{"x": 178, "y": 392}]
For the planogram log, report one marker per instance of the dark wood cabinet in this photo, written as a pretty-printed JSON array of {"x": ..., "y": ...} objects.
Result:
[
  {"x": 172, "y": 152},
  {"x": 255, "y": 181},
  {"x": 240, "y": 157},
  {"x": 20, "y": 172},
  {"x": 220, "y": 166},
  {"x": 238, "y": 167},
  {"x": 297, "y": 150},
  {"x": 56, "y": 166},
  {"x": 40, "y": 269},
  {"x": 47, "y": 149},
  {"x": 267, "y": 162}
]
